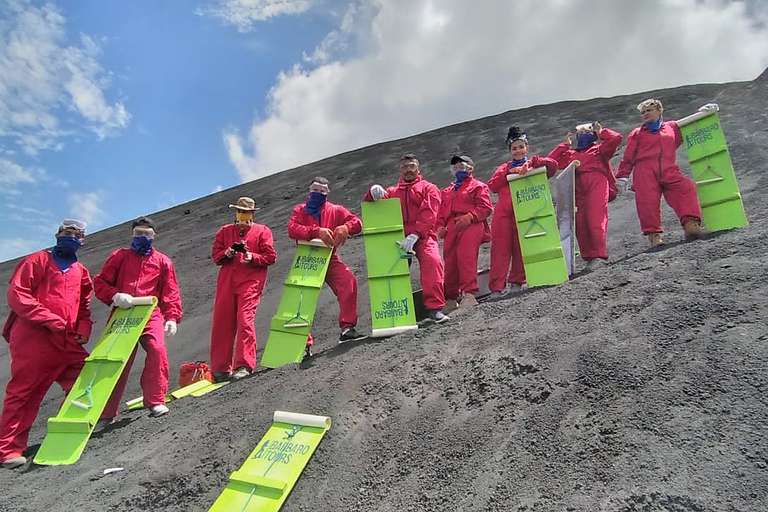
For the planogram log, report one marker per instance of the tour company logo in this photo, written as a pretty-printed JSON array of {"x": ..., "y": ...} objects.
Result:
[
  {"x": 124, "y": 325},
  {"x": 280, "y": 451},
  {"x": 309, "y": 262},
  {"x": 391, "y": 309},
  {"x": 529, "y": 193},
  {"x": 701, "y": 135}
]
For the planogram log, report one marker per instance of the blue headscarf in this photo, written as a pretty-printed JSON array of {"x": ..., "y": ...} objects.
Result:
[
  {"x": 460, "y": 176},
  {"x": 653, "y": 126},
  {"x": 584, "y": 139},
  {"x": 141, "y": 244},
  {"x": 65, "y": 251},
  {"x": 516, "y": 163},
  {"x": 315, "y": 201}
]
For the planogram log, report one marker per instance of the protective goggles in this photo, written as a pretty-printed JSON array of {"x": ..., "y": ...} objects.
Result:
[
  {"x": 144, "y": 231},
  {"x": 75, "y": 224}
]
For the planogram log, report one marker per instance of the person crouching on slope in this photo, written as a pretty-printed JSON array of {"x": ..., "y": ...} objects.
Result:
[
  {"x": 142, "y": 271},
  {"x": 595, "y": 184},
  {"x": 419, "y": 203},
  {"x": 505, "y": 244},
  {"x": 650, "y": 157},
  {"x": 49, "y": 295},
  {"x": 332, "y": 223},
  {"x": 243, "y": 249},
  {"x": 465, "y": 205}
]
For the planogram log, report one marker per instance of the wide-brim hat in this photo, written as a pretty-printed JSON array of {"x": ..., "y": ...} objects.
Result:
[{"x": 245, "y": 204}]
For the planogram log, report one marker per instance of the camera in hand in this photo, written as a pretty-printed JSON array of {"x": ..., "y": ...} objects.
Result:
[{"x": 239, "y": 247}]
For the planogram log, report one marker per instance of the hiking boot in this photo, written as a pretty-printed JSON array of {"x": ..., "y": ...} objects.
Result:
[
  {"x": 350, "y": 334},
  {"x": 468, "y": 301},
  {"x": 14, "y": 462},
  {"x": 693, "y": 229},
  {"x": 450, "y": 305},
  {"x": 103, "y": 423},
  {"x": 157, "y": 410},
  {"x": 438, "y": 316},
  {"x": 220, "y": 376},
  {"x": 241, "y": 373},
  {"x": 655, "y": 239}
]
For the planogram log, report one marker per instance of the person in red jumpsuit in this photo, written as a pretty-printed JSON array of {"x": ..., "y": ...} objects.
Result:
[
  {"x": 650, "y": 157},
  {"x": 332, "y": 223},
  {"x": 142, "y": 271},
  {"x": 243, "y": 249},
  {"x": 595, "y": 184},
  {"x": 419, "y": 203},
  {"x": 505, "y": 244},
  {"x": 49, "y": 295},
  {"x": 462, "y": 223}
]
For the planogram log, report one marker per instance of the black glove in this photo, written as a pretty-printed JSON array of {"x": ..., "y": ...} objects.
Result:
[{"x": 239, "y": 247}]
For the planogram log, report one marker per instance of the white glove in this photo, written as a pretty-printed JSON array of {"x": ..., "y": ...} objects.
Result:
[
  {"x": 622, "y": 185},
  {"x": 377, "y": 192},
  {"x": 408, "y": 242},
  {"x": 122, "y": 300},
  {"x": 170, "y": 328},
  {"x": 710, "y": 107}
]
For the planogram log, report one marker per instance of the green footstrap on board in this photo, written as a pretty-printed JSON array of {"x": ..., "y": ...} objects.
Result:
[
  {"x": 69, "y": 431},
  {"x": 565, "y": 209},
  {"x": 265, "y": 479},
  {"x": 290, "y": 325},
  {"x": 537, "y": 228},
  {"x": 389, "y": 280},
  {"x": 712, "y": 171}
]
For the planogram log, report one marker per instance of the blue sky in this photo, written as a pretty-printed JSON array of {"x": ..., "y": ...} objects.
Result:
[{"x": 111, "y": 110}]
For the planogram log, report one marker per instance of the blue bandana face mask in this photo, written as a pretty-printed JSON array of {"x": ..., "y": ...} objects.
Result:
[
  {"x": 460, "y": 176},
  {"x": 315, "y": 201},
  {"x": 653, "y": 126},
  {"x": 517, "y": 163},
  {"x": 584, "y": 139},
  {"x": 65, "y": 251},
  {"x": 141, "y": 244}
]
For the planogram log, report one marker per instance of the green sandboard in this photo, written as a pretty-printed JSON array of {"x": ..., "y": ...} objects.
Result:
[
  {"x": 389, "y": 280},
  {"x": 196, "y": 389},
  {"x": 537, "y": 228},
  {"x": 265, "y": 479},
  {"x": 290, "y": 325},
  {"x": 712, "y": 171},
  {"x": 70, "y": 429}
]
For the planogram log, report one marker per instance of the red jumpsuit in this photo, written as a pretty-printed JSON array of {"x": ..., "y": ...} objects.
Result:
[
  {"x": 48, "y": 307},
  {"x": 303, "y": 226},
  {"x": 238, "y": 291},
  {"x": 127, "y": 271},
  {"x": 420, "y": 202},
  {"x": 594, "y": 183},
  {"x": 460, "y": 248},
  {"x": 652, "y": 157},
  {"x": 505, "y": 244}
]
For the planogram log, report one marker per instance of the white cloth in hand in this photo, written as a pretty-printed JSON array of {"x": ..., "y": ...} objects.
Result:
[
  {"x": 377, "y": 192},
  {"x": 622, "y": 185},
  {"x": 709, "y": 107},
  {"x": 170, "y": 328},
  {"x": 408, "y": 242},
  {"x": 122, "y": 300}
]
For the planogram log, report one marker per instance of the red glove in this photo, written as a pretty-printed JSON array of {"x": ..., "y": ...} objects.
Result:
[
  {"x": 462, "y": 222},
  {"x": 340, "y": 235},
  {"x": 326, "y": 235},
  {"x": 441, "y": 232}
]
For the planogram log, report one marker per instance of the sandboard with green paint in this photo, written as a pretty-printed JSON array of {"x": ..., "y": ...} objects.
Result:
[
  {"x": 712, "y": 171},
  {"x": 265, "y": 479},
  {"x": 69, "y": 431},
  {"x": 389, "y": 280},
  {"x": 195, "y": 389},
  {"x": 290, "y": 325},
  {"x": 537, "y": 228}
]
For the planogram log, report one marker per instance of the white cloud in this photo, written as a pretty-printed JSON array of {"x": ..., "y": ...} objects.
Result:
[
  {"x": 12, "y": 174},
  {"x": 244, "y": 13},
  {"x": 15, "y": 247},
  {"x": 86, "y": 207},
  {"x": 50, "y": 87},
  {"x": 422, "y": 64},
  {"x": 217, "y": 188}
]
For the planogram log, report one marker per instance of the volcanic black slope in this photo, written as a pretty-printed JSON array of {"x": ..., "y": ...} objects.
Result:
[{"x": 640, "y": 386}]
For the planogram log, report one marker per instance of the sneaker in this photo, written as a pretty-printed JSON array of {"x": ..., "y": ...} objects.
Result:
[
  {"x": 157, "y": 410},
  {"x": 468, "y": 301},
  {"x": 438, "y": 316},
  {"x": 350, "y": 334},
  {"x": 450, "y": 305},
  {"x": 103, "y": 423},
  {"x": 515, "y": 288},
  {"x": 14, "y": 462},
  {"x": 496, "y": 294},
  {"x": 308, "y": 351},
  {"x": 241, "y": 373},
  {"x": 220, "y": 376},
  {"x": 655, "y": 239}
]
